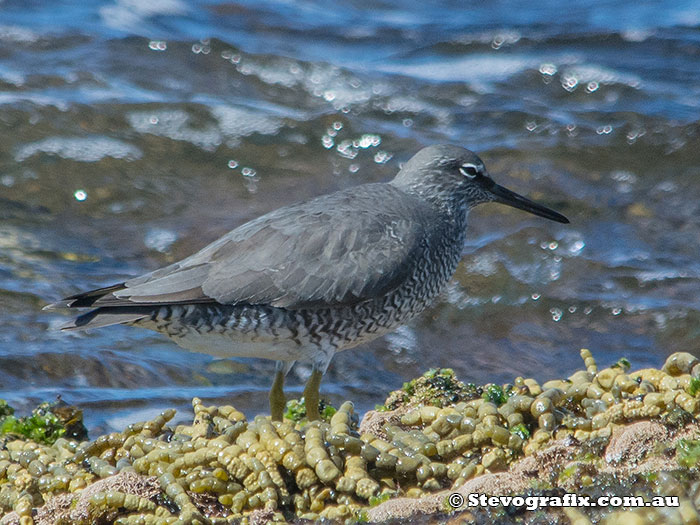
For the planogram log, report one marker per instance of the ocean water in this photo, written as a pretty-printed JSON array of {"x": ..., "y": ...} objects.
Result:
[{"x": 133, "y": 133}]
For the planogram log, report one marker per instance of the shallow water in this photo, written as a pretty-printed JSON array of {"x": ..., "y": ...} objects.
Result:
[{"x": 133, "y": 133}]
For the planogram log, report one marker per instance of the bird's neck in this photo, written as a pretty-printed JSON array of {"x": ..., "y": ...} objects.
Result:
[{"x": 447, "y": 202}]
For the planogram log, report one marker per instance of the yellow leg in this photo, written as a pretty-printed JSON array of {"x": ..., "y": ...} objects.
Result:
[
  {"x": 311, "y": 395},
  {"x": 277, "y": 400}
]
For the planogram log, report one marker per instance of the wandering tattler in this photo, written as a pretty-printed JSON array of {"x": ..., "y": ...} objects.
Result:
[{"x": 308, "y": 280}]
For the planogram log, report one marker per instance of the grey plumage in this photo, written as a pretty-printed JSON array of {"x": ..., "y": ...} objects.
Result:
[
  {"x": 310, "y": 279},
  {"x": 308, "y": 255}
]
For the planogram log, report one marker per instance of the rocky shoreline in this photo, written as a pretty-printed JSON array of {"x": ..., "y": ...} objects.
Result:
[{"x": 599, "y": 433}]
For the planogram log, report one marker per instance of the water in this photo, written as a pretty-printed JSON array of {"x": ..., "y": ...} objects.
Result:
[{"x": 133, "y": 133}]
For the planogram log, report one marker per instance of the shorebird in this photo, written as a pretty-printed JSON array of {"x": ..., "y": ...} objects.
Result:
[{"x": 308, "y": 280}]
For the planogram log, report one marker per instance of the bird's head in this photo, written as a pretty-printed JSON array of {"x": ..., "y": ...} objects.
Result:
[{"x": 456, "y": 176}]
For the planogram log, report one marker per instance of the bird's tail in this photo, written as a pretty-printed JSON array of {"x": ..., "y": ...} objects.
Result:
[
  {"x": 85, "y": 299},
  {"x": 107, "y": 316}
]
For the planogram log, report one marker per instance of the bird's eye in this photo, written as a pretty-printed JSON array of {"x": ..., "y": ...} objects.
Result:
[{"x": 469, "y": 170}]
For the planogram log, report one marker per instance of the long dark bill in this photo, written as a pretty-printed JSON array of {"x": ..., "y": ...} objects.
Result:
[{"x": 505, "y": 196}]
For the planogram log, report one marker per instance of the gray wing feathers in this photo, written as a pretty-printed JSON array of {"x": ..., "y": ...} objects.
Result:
[
  {"x": 182, "y": 281},
  {"x": 306, "y": 255}
]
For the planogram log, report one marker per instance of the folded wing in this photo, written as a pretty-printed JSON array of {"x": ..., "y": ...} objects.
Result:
[{"x": 338, "y": 249}]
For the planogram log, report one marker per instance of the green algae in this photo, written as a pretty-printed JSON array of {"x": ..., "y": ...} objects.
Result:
[
  {"x": 521, "y": 430},
  {"x": 42, "y": 426},
  {"x": 622, "y": 363},
  {"x": 438, "y": 387},
  {"x": 295, "y": 410},
  {"x": 381, "y": 498},
  {"x": 5, "y": 409},
  {"x": 327, "y": 411},
  {"x": 496, "y": 394},
  {"x": 47, "y": 422},
  {"x": 694, "y": 387},
  {"x": 361, "y": 516},
  {"x": 688, "y": 452}
]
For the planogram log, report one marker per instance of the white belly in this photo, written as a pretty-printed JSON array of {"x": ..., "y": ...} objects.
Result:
[
  {"x": 220, "y": 345},
  {"x": 217, "y": 344}
]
